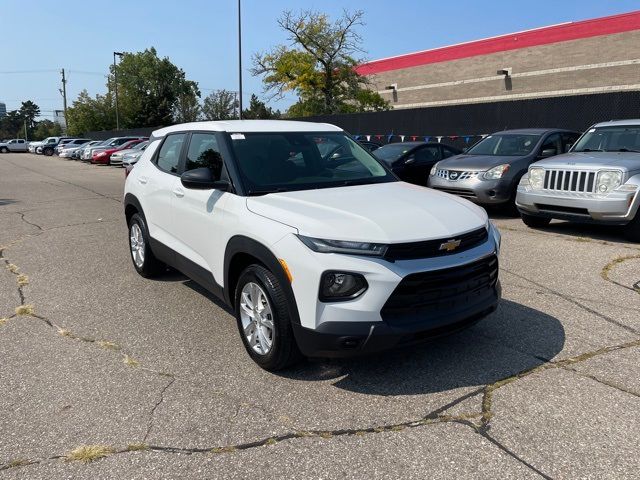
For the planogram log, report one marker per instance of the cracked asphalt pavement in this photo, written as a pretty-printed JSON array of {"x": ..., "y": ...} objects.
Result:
[{"x": 104, "y": 374}]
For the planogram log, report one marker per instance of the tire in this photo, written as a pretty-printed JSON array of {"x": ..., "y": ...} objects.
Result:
[
  {"x": 632, "y": 229},
  {"x": 48, "y": 152},
  {"x": 144, "y": 261},
  {"x": 259, "y": 283},
  {"x": 4, "y": 150},
  {"x": 534, "y": 222}
]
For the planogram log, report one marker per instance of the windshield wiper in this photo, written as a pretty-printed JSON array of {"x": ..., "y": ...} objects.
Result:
[
  {"x": 590, "y": 150},
  {"x": 623, "y": 149}
]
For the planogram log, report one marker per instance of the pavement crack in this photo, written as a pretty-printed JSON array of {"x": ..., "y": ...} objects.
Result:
[
  {"x": 609, "y": 267},
  {"x": 513, "y": 455},
  {"x": 603, "y": 382},
  {"x": 172, "y": 379},
  {"x": 572, "y": 300}
]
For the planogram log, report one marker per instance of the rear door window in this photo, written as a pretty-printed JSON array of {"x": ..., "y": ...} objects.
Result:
[{"x": 168, "y": 157}]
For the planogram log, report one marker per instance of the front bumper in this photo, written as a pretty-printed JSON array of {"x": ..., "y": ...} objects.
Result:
[
  {"x": 616, "y": 208},
  {"x": 365, "y": 324},
  {"x": 476, "y": 189}
]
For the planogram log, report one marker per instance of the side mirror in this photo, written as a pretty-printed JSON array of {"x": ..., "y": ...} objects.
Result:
[
  {"x": 548, "y": 152},
  {"x": 202, "y": 179},
  {"x": 410, "y": 159}
]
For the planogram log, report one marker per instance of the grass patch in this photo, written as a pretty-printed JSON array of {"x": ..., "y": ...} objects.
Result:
[
  {"x": 137, "y": 447},
  {"x": 3, "y": 321},
  {"x": 108, "y": 345},
  {"x": 12, "y": 268},
  {"x": 132, "y": 362},
  {"x": 64, "y": 332},
  {"x": 23, "y": 280},
  {"x": 25, "y": 310},
  {"x": 88, "y": 453},
  {"x": 270, "y": 441}
]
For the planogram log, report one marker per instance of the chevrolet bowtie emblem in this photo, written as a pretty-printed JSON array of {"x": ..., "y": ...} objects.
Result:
[{"x": 450, "y": 245}]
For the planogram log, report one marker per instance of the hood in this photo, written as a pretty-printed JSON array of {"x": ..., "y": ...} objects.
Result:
[
  {"x": 624, "y": 160},
  {"x": 381, "y": 213},
  {"x": 124, "y": 152},
  {"x": 476, "y": 162}
]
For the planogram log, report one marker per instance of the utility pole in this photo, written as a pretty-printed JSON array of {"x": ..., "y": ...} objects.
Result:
[
  {"x": 115, "y": 86},
  {"x": 25, "y": 130},
  {"x": 64, "y": 98},
  {"x": 239, "y": 62}
]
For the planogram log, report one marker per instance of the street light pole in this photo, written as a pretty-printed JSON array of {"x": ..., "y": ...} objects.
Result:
[
  {"x": 239, "y": 62},
  {"x": 115, "y": 86}
]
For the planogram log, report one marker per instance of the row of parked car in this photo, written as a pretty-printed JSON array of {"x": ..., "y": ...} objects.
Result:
[
  {"x": 593, "y": 177},
  {"x": 119, "y": 151}
]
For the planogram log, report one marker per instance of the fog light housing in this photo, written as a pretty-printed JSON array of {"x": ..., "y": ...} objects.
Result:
[{"x": 341, "y": 286}]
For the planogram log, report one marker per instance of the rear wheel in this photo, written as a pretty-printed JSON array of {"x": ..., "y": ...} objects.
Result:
[
  {"x": 4, "y": 150},
  {"x": 48, "y": 152},
  {"x": 263, "y": 319},
  {"x": 632, "y": 229},
  {"x": 534, "y": 222},
  {"x": 144, "y": 261}
]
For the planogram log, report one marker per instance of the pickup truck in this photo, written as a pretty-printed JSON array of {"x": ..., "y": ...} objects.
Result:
[{"x": 15, "y": 145}]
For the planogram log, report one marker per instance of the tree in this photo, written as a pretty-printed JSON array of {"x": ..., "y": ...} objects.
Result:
[
  {"x": 152, "y": 91},
  {"x": 187, "y": 107},
  {"x": 259, "y": 110},
  {"x": 12, "y": 125},
  {"x": 47, "y": 128},
  {"x": 29, "y": 111},
  {"x": 90, "y": 114},
  {"x": 319, "y": 65},
  {"x": 220, "y": 105}
]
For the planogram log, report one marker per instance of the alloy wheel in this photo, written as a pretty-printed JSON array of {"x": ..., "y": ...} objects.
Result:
[{"x": 257, "y": 318}]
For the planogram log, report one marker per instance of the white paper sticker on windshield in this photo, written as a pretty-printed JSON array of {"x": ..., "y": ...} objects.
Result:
[{"x": 237, "y": 136}]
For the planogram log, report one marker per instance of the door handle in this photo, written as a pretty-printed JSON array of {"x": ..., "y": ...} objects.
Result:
[
  {"x": 178, "y": 192},
  {"x": 143, "y": 180}
]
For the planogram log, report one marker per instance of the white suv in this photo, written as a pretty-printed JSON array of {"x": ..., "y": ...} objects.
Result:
[{"x": 317, "y": 247}]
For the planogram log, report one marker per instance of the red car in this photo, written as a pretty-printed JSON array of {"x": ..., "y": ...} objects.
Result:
[{"x": 103, "y": 157}]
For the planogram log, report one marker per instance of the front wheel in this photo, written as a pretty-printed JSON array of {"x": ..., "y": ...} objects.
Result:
[
  {"x": 263, "y": 319},
  {"x": 4, "y": 150},
  {"x": 48, "y": 152},
  {"x": 632, "y": 229},
  {"x": 535, "y": 222},
  {"x": 144, "y": 261}
]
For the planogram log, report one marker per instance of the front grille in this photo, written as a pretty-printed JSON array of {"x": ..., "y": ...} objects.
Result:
[
  {"x": 458, "y": 174},
  {"x": 433, "y": 297},
  {"x": 570, "y": 181},
  {"x": 431, "y": 248}
]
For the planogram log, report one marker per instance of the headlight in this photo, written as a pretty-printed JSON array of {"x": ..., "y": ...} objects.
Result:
[
  {"x": 496, "y": 172},
  {"x": 100, "y": 154},
  {"x": 341, "y": 246},
  {"x": 336, "y": 286},
  {"x": 434, "y": 169},
  {"x": 608, "y": 180},
  {"x": 536, "y": 178}
]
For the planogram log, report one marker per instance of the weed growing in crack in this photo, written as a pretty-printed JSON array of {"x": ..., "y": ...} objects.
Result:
[
  {"x": 270, "y": 441},
  {"x": 88, "y": 453},
  {"x": 25, "y": 310},
  {"x": 12, "y": 268},
  {"x": 132, "y": 362},
  {"x": 137, "y": 447},
  {"x": 223, "y": 450},
  {"x": 19, "y": 462},
  {"x": 64, "y": 332},
  {"x": 109, "y": 345},
  {"x": 23, "y": 280},
  {"x": 3, "y": 321}
]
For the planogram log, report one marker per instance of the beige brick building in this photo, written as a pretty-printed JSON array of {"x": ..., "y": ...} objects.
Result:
[{"x": 577, "y": 58}]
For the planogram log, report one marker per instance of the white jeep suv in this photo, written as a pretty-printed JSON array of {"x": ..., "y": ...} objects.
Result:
[{"x": 317, "y": 247}]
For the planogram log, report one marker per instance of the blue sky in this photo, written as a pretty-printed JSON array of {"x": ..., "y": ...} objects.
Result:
[{"x": 200, "y": 36}]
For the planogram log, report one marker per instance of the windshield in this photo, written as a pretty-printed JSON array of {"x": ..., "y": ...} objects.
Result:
[
  {"x": 140, "y": 146},
  {"x": 390, "y": 153},
  {"x": 610, "y": 139},
  {"x": 505, "y": 144},
  {"x": 280, "y": 162}
]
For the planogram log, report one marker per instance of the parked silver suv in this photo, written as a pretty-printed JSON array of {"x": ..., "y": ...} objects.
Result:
[{"x": 598, "y": 181}]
